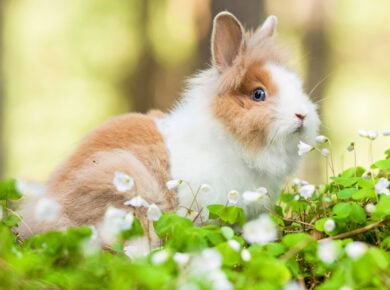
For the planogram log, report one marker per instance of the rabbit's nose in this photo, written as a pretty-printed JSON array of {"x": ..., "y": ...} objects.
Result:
[{"x": 300, "y": 116}]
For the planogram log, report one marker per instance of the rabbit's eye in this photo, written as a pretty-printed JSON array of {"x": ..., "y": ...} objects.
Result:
[{"x": 258, "y": 95}]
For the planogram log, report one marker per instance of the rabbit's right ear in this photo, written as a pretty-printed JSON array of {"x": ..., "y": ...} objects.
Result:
[{"x": 227, "y": 40}]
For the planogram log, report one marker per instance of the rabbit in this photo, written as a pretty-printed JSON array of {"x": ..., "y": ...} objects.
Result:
[{"x": 237, "y": 127}]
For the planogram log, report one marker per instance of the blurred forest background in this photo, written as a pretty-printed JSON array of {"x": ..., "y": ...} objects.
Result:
[{"x": 66, "y": 66}]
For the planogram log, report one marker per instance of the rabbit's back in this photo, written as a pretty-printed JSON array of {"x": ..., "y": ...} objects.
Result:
[{"x": 83, "y": 184}]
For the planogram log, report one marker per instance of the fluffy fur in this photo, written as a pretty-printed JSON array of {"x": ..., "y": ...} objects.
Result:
[{"x": 216, "y": 135}]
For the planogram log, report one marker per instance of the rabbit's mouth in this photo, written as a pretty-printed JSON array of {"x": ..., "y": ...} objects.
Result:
[{"x": 300, "y": 129}]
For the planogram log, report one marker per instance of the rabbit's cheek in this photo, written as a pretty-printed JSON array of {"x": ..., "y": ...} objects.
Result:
[{"x": 245, "y": 122}]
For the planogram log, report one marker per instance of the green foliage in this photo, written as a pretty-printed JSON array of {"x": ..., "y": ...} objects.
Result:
[{"x": 339, "y": 214}]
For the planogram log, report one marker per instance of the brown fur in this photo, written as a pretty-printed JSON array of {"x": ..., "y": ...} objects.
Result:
[
  {"x": 83, "y": 184},
  {"x": 245, "y": 119}
]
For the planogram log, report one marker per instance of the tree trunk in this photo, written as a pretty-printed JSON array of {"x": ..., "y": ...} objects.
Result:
[
  {"x": 316, "y": 44},
  {"x": 139, "y": 85}
]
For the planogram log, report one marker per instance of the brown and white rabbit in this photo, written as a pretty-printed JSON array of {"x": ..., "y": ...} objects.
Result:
[{"x": 237, "y": 127}]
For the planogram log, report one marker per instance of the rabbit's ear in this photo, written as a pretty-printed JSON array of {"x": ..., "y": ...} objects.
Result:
[
  {"x": 266, "y": 30},
  {"x": 227, "y": 40}
]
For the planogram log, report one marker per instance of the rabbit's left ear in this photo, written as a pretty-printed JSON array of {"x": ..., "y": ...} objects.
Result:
[
  {"x": 227, "y": 40},
  {"x": 266, "y": 30}
]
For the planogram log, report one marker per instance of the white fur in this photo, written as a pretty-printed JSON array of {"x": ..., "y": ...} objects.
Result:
[{"x": 202, "y": 151}]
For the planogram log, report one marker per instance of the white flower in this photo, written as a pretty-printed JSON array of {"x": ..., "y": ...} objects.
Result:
[
  {"x": 327, "y": 251},
  {"x": 205, "y": 187},
  {"x": 245, "y": 255},
  {"x": 297, "y": 197},
  {"x": 206, "y": 266},
  {"x": 138, "y": 247},
  {"x": 233, "y": 197},
  {"x": 29, "y": 188},
  {"x": 137, "y": 201},
  {"x": 293, "y": 285},
  {"x": 300, "y": 182},
  {"x": 372, "y": 134},
  {"x": 322, "y": 139},
  {"x": 234, "y": 245},
  {"x": 46, "y": 209},
  {"x": 370, "y": 208},
  {"x": 346, "y": 287},
  {"x": 208, "y": 261},
  {"x": 181, "y": 259},
  {"x": 386, "y": 132},
  {"x": 262, "y": 190},
  {"x": 122, "y": 181},
  {"x": 218, "y": 281},
  {"x": 325, "y": 152},
  {"x": 153, "y": 213},
  {"x": 303, "y": 148},
  {"x": 329, "y": 225},
  {"x": 253, "y": 196},
  {"x": 351, "y": 147},
  {"x": 160, "y": 257},
  {"x": 115, "y": 220},
  {"x": 307, "y": 191},
  {"x": 118, "y": 218},
  {"x": 382, "y": 186},
  {"x": 212, "y": 258},
  {"x": 260, "y": 231},
  {"x": 362, "y": 133},
  {"x": 297, "y": 181},
  {"x": 172, "y": 184},
  {"x": 355, "y": 250}
]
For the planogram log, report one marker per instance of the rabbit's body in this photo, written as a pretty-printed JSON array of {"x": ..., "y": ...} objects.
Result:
[
  {"x": 237, "y": 128},
  {"x": 203, "y": 151},
  {"x": 83, "y": 185}
]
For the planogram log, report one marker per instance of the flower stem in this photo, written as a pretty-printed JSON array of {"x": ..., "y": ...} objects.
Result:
[
  {"x": 4, "y": 207},
  {"x": 357, "y": 231}
]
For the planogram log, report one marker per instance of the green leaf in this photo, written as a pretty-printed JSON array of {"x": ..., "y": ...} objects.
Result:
[
  {"x": 386, "y": 243},
  {"x": 287, "y": 197},
  {"x": 227, "y": 232},
  {"x": 213, "y": 234},
  {"x": 382, "y": 209},
  {"x": 230, "y": 256},
  {"x": 342, "y": 209},
  {"x": 8, "y": 190},
  {"x": 346, "y": 193},
  {"x": 275, "y": 249},
  {"x": 135, "y": 231},
  {"x": 319, "y": 225},
  {"x": 381, "y": 164},
  {"x": 350, "y": 172},
  {"x": 228, "y": 214},
  {"x": 346, "y": 181},
  {"x": 11, "y": 220},
  {"x": 358, "y": 215},
  {"x": 292, "y": 240},
  {"x": 363, "y": 193},
  {"x": 366, "y": 183},
  {"x": 170, "y": 223},
  {"x": 215, "y": 210},
  {"x": 279, "y": 210}
]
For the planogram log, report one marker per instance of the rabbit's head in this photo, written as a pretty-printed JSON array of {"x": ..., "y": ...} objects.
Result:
[{"x": 259, "y": 101}]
